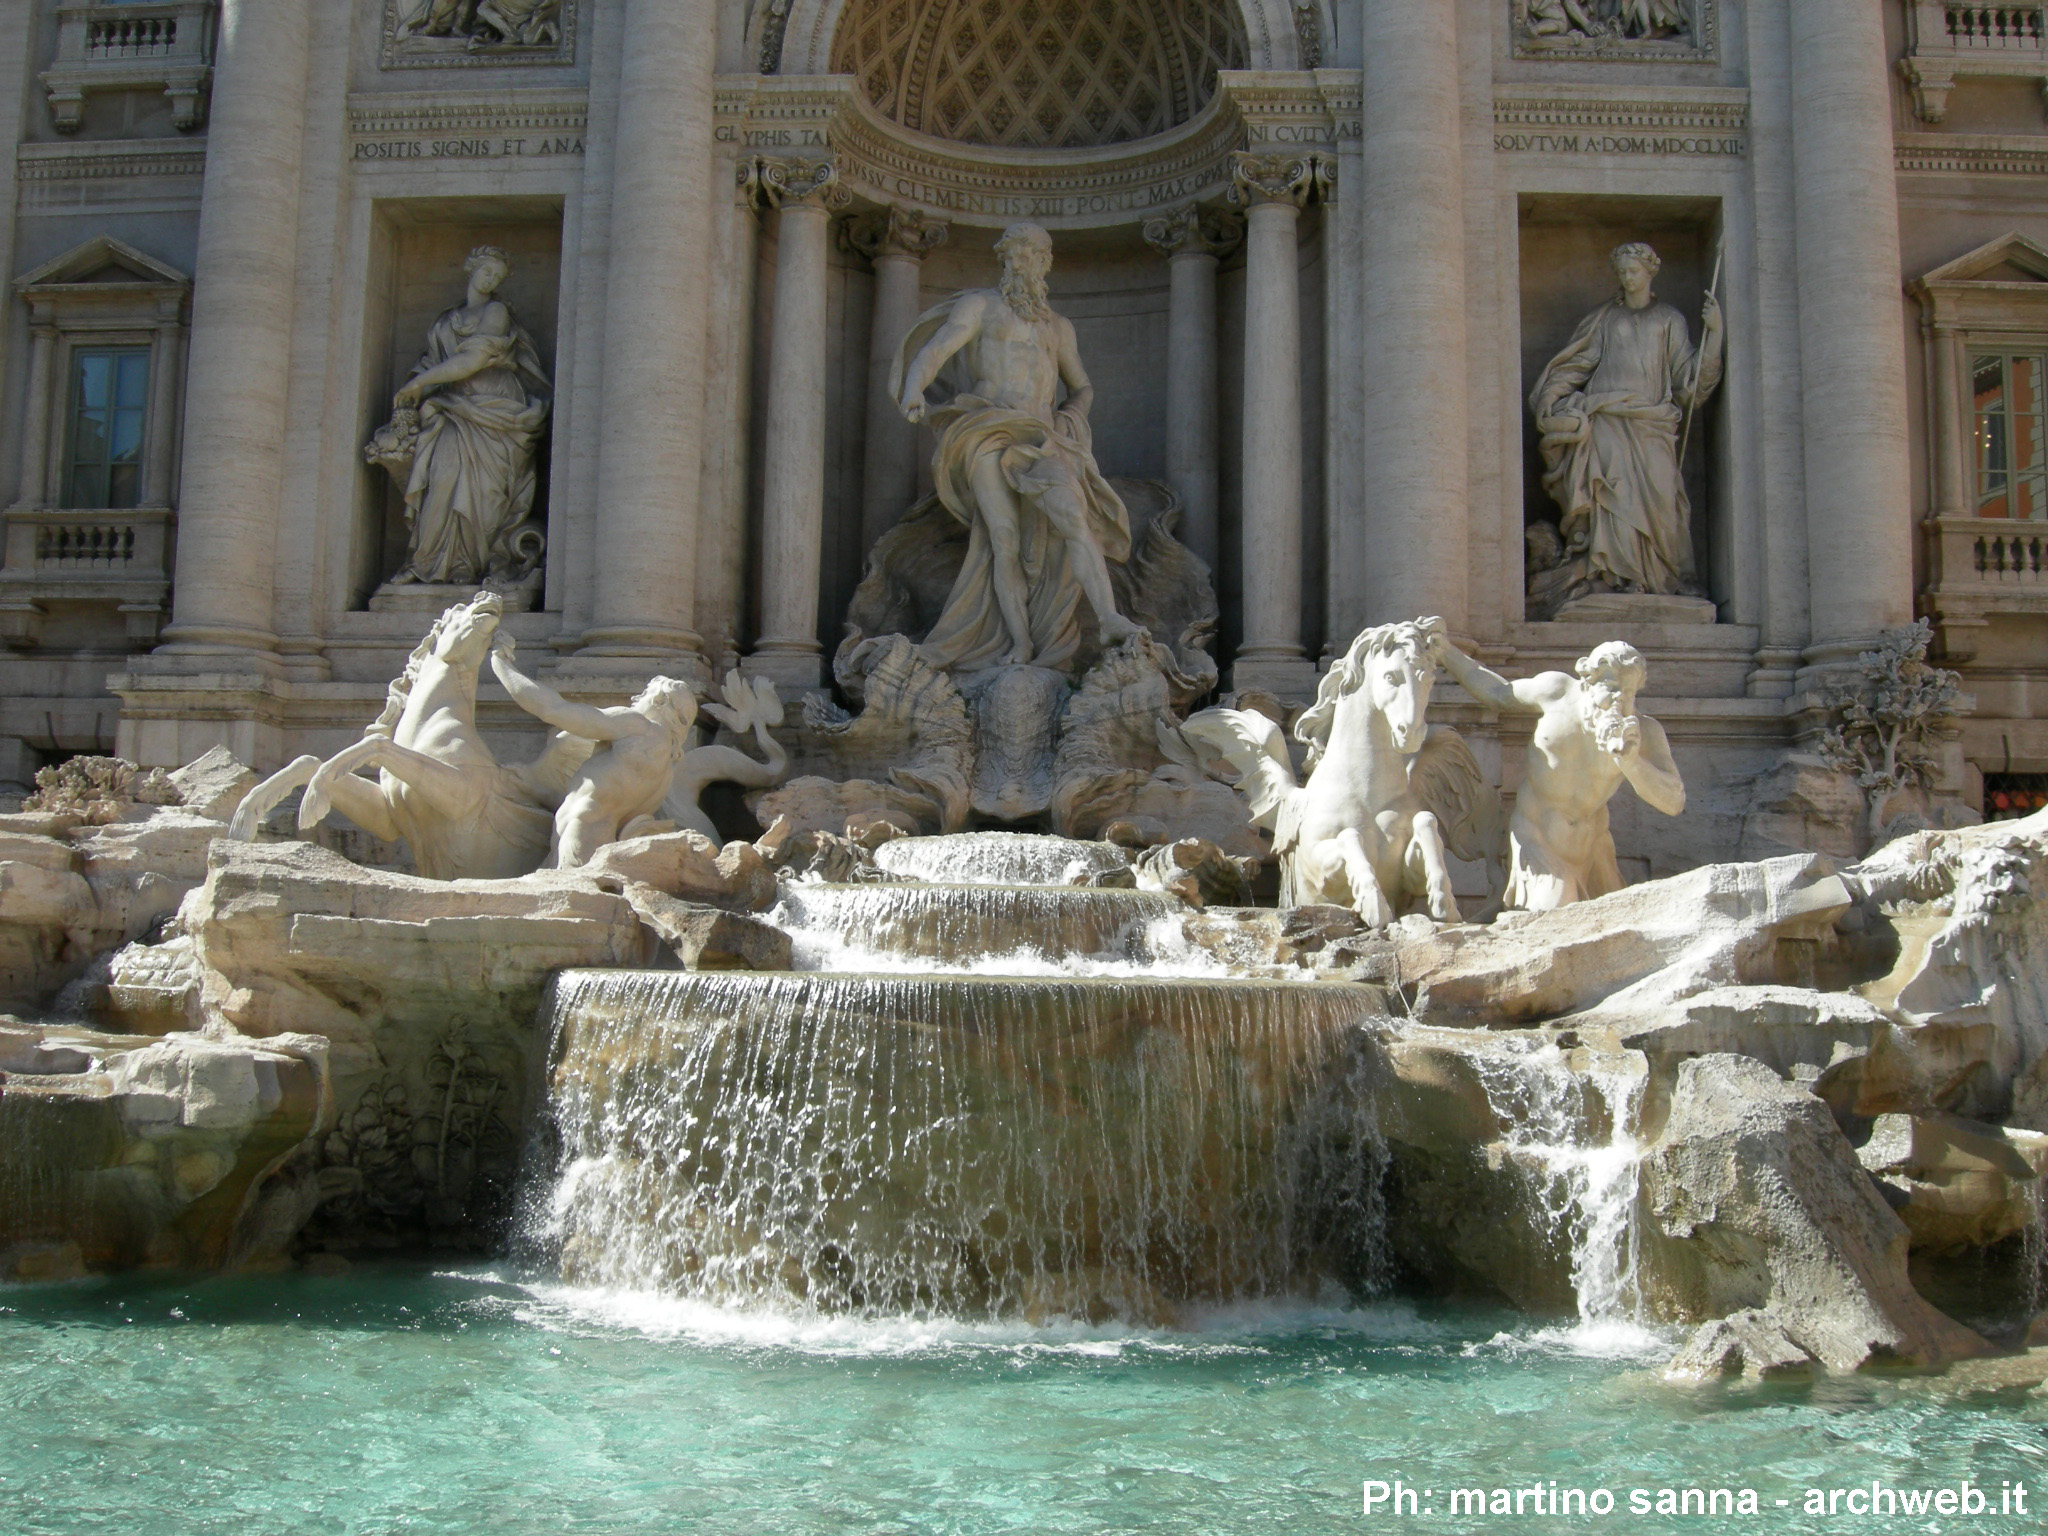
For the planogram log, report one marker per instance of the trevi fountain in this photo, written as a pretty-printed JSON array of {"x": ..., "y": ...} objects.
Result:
[{"x": 1000, "y": 907}]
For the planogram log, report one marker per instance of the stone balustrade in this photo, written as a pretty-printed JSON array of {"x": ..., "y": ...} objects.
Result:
[{"x": 166, "y": 44}]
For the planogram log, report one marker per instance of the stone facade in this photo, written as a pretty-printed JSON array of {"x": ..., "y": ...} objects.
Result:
[{"x": 1317, "y": 257}]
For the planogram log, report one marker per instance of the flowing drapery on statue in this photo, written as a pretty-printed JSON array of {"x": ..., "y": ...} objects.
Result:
[
  {"x": 464, "y": 431},
  {"x": 1610, "y": 408},
  {"x": 1018, "y": 470}
]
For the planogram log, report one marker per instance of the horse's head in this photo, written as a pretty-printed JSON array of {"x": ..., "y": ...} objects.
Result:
[
  {"x": 1388, "y": 669},
  {"x": 462, "y": 636}
]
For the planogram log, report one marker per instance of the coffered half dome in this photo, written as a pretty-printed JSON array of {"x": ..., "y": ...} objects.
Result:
[{"x": 1039, "y": 74}]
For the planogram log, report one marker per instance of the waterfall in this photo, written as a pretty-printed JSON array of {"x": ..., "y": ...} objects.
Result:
[
  {"x": 989, "y": 929},
  {"x": 998, "y": 858},
  {"x": 1572, "y": 1134},
  {"x": 962, "y": 1146}
]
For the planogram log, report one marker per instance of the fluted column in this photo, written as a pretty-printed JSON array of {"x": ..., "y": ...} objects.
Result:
[
  {"x": 651, "y": 417},
  {"x": 35, "y": 436},
  {"x": 793, "y": 482},
  {"x": 896, "y": 242},
  {"x": 243, "y": 300},
  {"x": 1273, "y": 189},
  {"x": 1193, "y": 242},
  {"x": 1414, "y": 425},
  {"x": 1851, "y": 331}
]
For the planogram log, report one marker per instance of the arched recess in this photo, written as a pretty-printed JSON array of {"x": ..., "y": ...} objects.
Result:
[{"x": 810, "y": 29}]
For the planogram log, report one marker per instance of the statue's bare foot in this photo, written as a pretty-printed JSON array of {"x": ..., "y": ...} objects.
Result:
[
  {"x": 1116, "y": 629},
  {"x": 1020, "y": 656}
]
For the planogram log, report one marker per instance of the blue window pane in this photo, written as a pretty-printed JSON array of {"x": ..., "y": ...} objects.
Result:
[
  {"x": 133, "y": 381},
  {"x": 93, "y": 369},
  {"x": 110, "y": 389}
]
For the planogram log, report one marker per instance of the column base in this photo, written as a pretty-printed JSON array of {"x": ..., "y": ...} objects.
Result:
[
  {"x": 1291, "y": 678},
  {"x": 794, "y": 673},
  {"x": 172, "y": 712},
  {"x": 217, "y": 640}
]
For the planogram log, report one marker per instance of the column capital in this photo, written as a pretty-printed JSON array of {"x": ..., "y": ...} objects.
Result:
[
  {"x": 1195, "y": 231},
  {"x": 797, "y": 180},
  {"x": 1289, "y": 179},
  {"x": 894, "y": 231}
]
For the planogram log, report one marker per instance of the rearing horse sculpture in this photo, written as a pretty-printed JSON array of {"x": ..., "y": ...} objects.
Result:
[
  {"x": 438, "y": 785},
  {"x": 1387, "y": 796}
]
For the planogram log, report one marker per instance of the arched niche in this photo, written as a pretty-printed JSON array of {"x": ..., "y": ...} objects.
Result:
[{"x": 811, "y": 28}]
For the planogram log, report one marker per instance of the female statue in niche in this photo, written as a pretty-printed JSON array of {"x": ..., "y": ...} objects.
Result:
[
  {"x": 1610, "y": 407},
  {"x": 461, "y": 442}
]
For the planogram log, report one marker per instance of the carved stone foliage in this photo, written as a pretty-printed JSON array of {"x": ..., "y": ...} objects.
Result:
[
  {"x": 439, "y": 33},
  {"x": 1195, "y": 230},
  {"x": 1615, "y": 29},
  {"x": 777, "y": 182},
  {"x": 894, "y": 232},
  {"x": 1295, "y": 179},
  {"x": 1885, "y": 725},
  {"x": 1044, "y": 73}
]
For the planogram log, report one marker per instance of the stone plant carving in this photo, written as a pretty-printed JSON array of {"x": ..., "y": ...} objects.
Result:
[
  {"x": 100, "y": 790},
  {"x": 1588, "y": 739},
  {"x": 461, "y": 440},
  {"x": 1611, "y": 407},
  {"x": 1387, "y": 799},
  {"x": 1884, "y": 728},
  {"x": 643, "y": 765},
  {"x": 1016, "y": 466},
  {"x": 438, "y": 785}
]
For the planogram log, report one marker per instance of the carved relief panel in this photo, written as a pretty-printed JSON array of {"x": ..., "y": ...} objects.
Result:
[
  {"x": 439, "y": 33},
  {"x": 1676, "y": 30}
]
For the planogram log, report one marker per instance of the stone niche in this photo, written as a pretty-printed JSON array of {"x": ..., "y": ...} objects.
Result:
[
  {"x": 1565, "y": 243},
  {"x": 417, "y": 250}
]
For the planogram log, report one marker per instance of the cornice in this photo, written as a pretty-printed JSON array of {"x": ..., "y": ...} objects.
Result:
[
  {"x": 1971, "y": 154},
  {"x": 373, "y": 114},
  {"x": 1608, "y": 109}
]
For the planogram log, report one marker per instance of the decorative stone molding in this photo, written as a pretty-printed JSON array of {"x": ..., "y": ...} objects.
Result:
[
  {"x": 1195, "y": 230},
  {"x": 1308, "y": 34},
  {"x": 438, "y": 115},
  {"x": 1585, "y": 121},
  {"x": 894, "y": 232},
  {"x": 778, "y": 182},
  {"x": 158, "y": 44},
  {"x": 162, "y": 174},
  {"x": 1295, "y": 179},
  {"x": 1971, "y": 154},
  {"x": 1947, "y": 40},
  {"x": 443, "y": 34},
  {"x": 1635, "y": 31}
]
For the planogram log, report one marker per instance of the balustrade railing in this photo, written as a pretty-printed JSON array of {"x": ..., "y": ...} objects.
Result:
[
  {"x": 135, "y": 45},
  {"x": 1997, "y": 27},
  {"x": 132, "y": 37},
  {"x": 73, "y": 545}
]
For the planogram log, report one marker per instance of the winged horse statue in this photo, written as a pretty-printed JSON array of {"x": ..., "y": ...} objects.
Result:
[
  {"x": 1387, "y": 796},
  {"x": 438, "y": 785}
]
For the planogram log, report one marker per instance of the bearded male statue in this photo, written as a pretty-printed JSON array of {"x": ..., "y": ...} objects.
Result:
[
  {"x": 1588, "y": 739},
  {"x": 1016, "y": 464}
]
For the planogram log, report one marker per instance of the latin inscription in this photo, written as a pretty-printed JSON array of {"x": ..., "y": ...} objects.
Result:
[
  {"x": 534, "y": 147},
  {"x": 1617, "y": 144}
]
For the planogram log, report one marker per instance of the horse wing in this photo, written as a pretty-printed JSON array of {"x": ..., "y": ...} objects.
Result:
[
  {"x": 1448, "y": 780},
  {"x": 1256, "y": 749},
  {"x": 546, "y": 779}
]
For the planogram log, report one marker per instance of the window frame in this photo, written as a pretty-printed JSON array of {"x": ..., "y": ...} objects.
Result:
[{"x": 77, "y": 347}]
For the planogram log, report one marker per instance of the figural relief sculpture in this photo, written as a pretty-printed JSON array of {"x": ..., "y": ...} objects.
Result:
[
  {"x": 1015, "y": 463},
  {"x": 1612, "y": 409},
  {"x": 1388, "y": 798},
  {"x": 443, "y": 32},
  {"x": 461, "y": 441},
  {"x": 1588, "y": 739},
  {"x": 1614, "y": 28}
]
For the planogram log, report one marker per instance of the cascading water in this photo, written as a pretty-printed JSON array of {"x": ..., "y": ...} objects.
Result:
[
  {"x": 997, "y": 858},
  {"x": 1571, "y": 1133}
]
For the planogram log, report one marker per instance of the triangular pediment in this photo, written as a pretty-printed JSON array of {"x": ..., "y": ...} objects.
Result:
[
  {"x": 2011, "y": 258},
  {"x": 103, "y": 260}
]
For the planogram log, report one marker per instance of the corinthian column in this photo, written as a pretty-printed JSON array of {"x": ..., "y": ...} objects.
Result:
[
  {"x": 1273, "y": 189},
  {"x": 243, "y": 288},
  {"x": 650, "y": 444},
  {"x": 896, "y": 242},
  {"x": 1414, "y": 407},
  {"x": 1193, "y": 242},
  {"x": 1859, "y": 527},
  {"x": 793, "y": 485}
]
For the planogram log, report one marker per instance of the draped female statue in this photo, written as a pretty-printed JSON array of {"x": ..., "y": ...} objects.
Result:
[
  {"x": 1609, "y": 408},
  {"x": 461, "y": 442}
]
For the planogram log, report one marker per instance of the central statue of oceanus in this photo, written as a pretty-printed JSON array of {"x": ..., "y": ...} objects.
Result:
[{"x": 1016, "y": 465}]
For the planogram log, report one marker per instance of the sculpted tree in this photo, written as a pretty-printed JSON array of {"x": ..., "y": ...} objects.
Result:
[{"x": 1885, "y": 727}]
